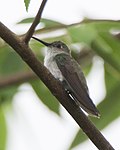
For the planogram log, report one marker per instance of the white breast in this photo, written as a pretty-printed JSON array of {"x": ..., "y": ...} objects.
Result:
[{"x": 52, "y": 66}]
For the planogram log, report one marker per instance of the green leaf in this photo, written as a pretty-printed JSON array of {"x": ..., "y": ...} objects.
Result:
[
  {"x": 2, "y": 130},
  {"x": 108, "y": 48},
  {"x": 37, "y": 47},
  {"x": 47, "y": 22},
  {"x": 26, "y": 21},
  {"x": 50, "y": 23},
  {"x": 88, "y": 30},
  {"x": 87, "y": 69},
  {"x": 82, "y": 33},
  {"x": 6, "y": 94},
  {"x": 45, "y": 96},
  {"x": 10, "y": 62},
  {"x": 104, "y": 25},
  {"x": 111, "y": 101},
  {"x": 27, "y": 2}
]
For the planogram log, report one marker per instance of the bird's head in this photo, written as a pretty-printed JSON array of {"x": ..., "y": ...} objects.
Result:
[{"x": 56, "y": 45}]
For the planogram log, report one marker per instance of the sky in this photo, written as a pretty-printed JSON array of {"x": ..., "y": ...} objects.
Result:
[{"x": 31, "y": 124}]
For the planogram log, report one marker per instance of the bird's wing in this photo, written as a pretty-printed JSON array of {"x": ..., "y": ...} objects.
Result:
[{"x": 76, "y": 81}]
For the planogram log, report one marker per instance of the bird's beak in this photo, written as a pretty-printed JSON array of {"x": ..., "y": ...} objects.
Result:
[{"x": 45, "y": 43}]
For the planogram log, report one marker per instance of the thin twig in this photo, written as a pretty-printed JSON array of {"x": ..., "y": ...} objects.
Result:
[
  {"x": 35, "y": 22},
  {"x": 17, "y": 79},
  {"x": 117, "y": 36},
  {"x": 65, "y": 26},
  {"x": 55, "y": 87}
]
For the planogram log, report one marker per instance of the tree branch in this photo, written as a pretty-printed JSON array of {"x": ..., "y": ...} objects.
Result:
[
  {"x": 17, "y": 79},
  {"x": 64, "y": 26},
  {"x": 55, "y": 87},
  {"x": 31, "y": 30},
  {"x": 22, "y": 77}
]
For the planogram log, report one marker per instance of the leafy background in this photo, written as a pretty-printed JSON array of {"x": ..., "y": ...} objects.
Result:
[{"x": 89, "y": 40}]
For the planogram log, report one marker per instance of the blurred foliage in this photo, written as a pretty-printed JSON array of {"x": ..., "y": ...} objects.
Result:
[
  {"x": 9, "y": 58},
  {"x": 46, "y": 22},
  {"x": 46, "y": 97},
  {"x": 96, "y": 39},
  {"x": 2, "y": 130},
  {"x": 6, "y": 97},
  {"x": 111, "y": 101}
]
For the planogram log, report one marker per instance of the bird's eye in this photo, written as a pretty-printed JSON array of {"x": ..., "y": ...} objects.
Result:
[{"x": 59, "y": 46}]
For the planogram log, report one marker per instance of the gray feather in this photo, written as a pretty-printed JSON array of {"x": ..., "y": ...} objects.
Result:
[{"x": 76, "y": 82}]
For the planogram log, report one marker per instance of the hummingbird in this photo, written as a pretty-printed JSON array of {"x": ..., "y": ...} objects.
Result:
[{"x": 63, "y": 67}]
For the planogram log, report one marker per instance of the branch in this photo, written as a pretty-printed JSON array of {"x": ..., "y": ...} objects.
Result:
[
  {"x": 31, "y": 30},
  {"x": 117, "y": 36},
  {"x": 17, "y": 79},
  {"x": 22, "y": 77},
  {"x": 64, "y": 26},
  {"x": 55, "y": 87}
]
